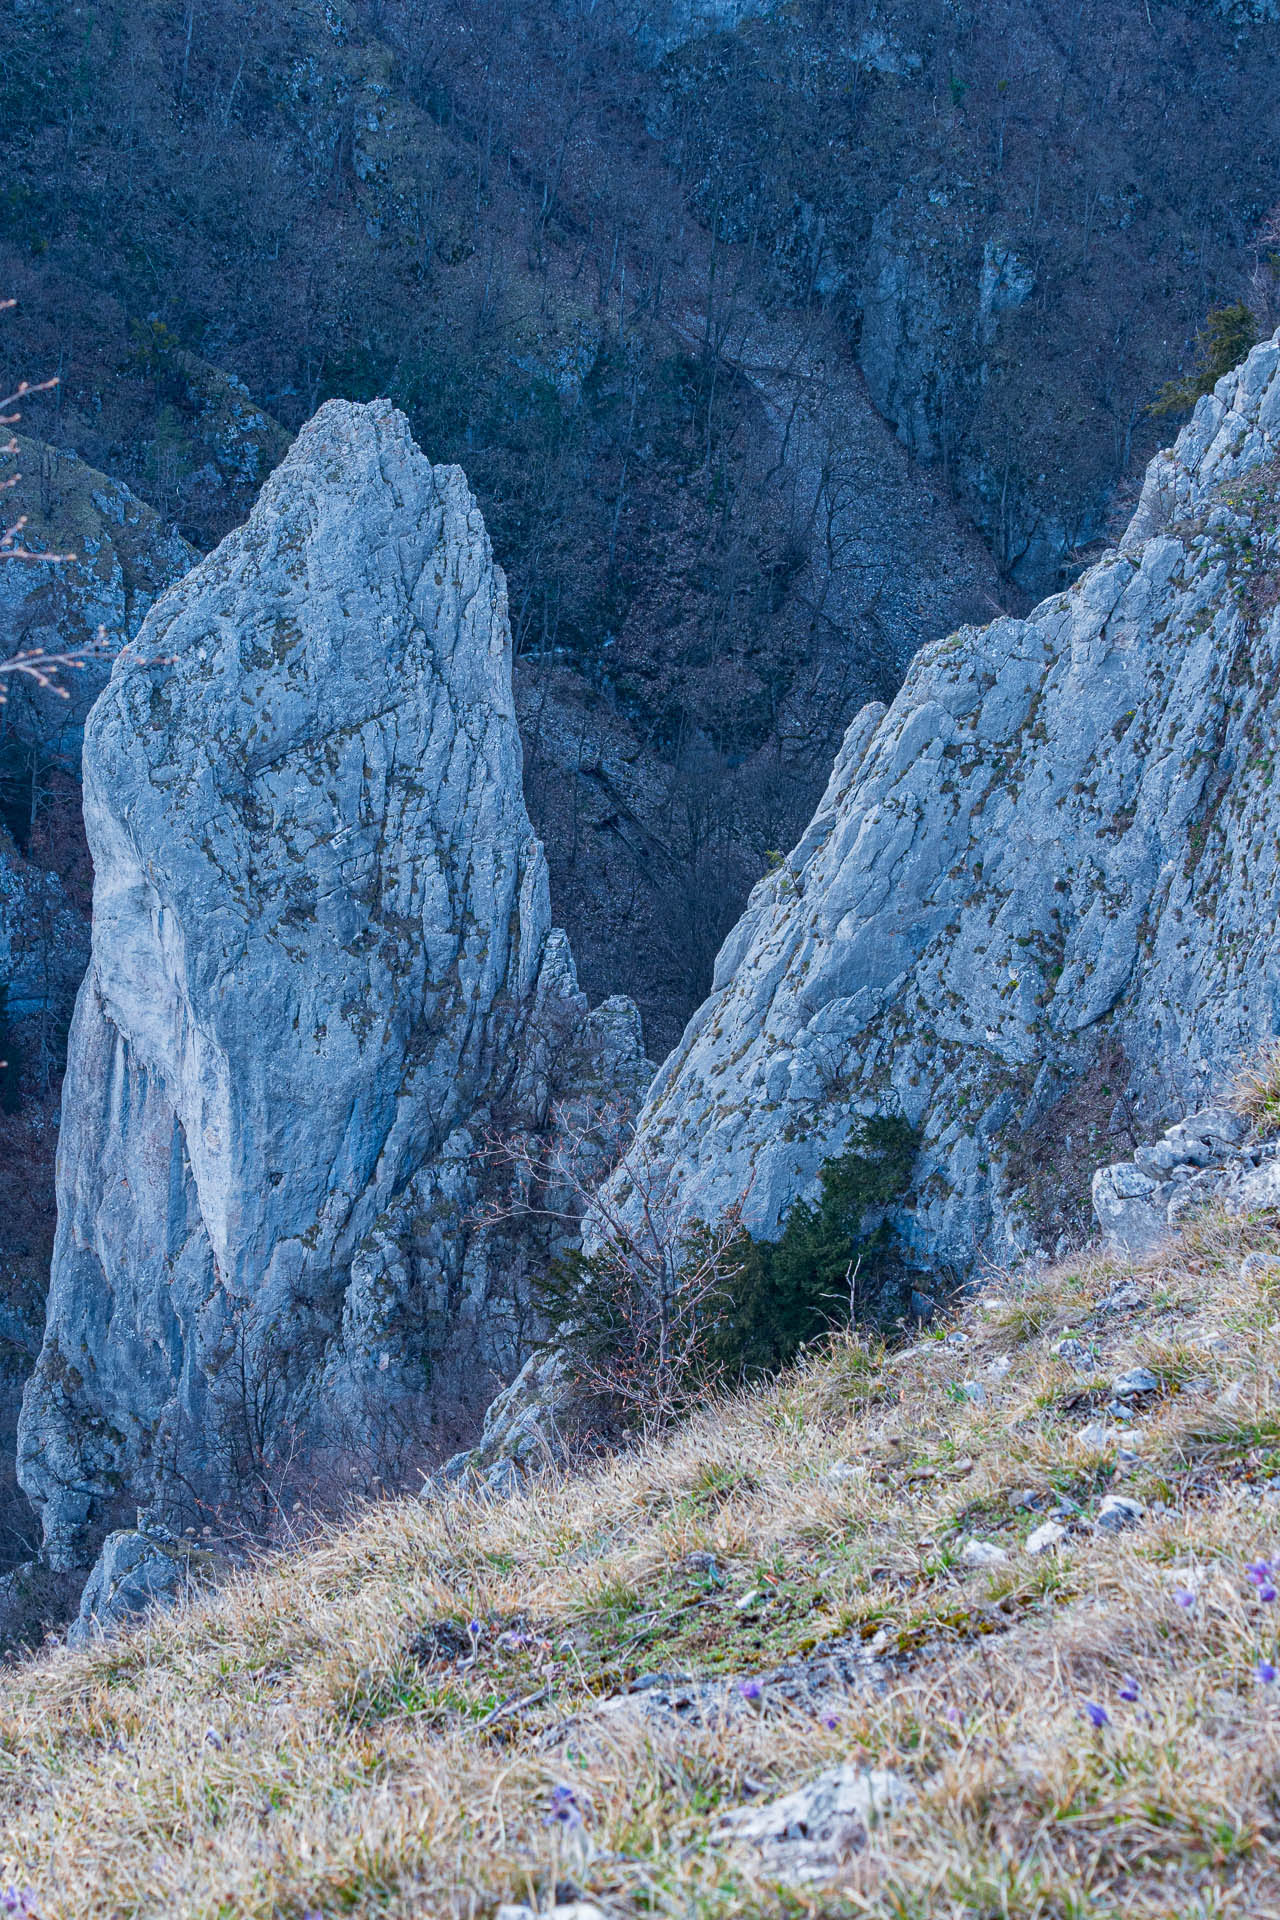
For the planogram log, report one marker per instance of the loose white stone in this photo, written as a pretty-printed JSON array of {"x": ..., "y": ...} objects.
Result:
[
  {"x": 807, "y": 1835},
  {"x": 1045, "y": 1538},
  {"x": 1117, "y": 1513},
  {"x": 982, "y": 1553},
  {"x": 1137, "y": 1380}
]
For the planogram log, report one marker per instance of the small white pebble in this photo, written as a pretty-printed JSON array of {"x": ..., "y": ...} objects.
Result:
[
  {"x": 982, "y": 1553},
  {"x": 844, "y": 1470},
  {"x": 1046, "y": 1538}
]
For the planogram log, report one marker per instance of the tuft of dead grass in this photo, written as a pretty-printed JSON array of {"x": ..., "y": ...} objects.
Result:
[
  {"x": 374, "y": 1725},
  {"x": 1256, "y": 1092}
]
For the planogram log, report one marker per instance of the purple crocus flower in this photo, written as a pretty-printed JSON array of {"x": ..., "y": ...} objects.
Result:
[
  {"x": 1128, "y": 1688},
  {"x": 1097, "y": 1716},
  {"x": 1267, "y": 1593},
  {"x": 563, "y": 1810},
  {"x": 1266, "y": 1672},
  {"x": 750, "y": 1689},
  {"x": 475, "y": 1629},
  {"x": 1184, "y": 1597},
  {"x": 1259, "y": 1572},
  {"x": 830, "y": 1722}
]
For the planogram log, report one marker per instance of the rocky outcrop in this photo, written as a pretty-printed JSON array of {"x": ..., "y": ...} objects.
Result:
[
  {"x": 136, "y": 1572},
  {"x": 322, "y": 973},
  {"x": 1039, "y": 900},
  {"x": 660, "y": 28},
  {"x": 1206, "y": 1159}
]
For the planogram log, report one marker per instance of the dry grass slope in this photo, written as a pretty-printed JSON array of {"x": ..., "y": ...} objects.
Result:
[{"x": 376, "y": 1725}]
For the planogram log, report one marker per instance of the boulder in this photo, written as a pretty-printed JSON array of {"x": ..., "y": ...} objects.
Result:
[{"x": 135, "y": 1572}]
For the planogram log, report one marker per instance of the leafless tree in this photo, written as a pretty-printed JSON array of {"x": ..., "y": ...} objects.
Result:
[
  {"x": 1264, "y": 285},
  {"x": 34, "y": 663},
  {"x": 632, "y": 1316}
]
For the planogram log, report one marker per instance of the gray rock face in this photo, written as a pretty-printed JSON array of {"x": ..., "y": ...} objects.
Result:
[
  {"x": 322, "y": 970},
  {"x": 936, "y": 282},
  {"x": 120, "y": 558},
  {"x": 662, "y": 26},
  {"x": 1043, "y": 886},
  {"x": 44, "y": 941},
  {"x": 1204, "y": 1160},
  {"x": 134, "y": 1573}
]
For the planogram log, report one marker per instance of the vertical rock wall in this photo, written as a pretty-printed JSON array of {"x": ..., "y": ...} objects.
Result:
[
  {"x": 1037, "y": 909},
  {"x": 322, "y": 967}
]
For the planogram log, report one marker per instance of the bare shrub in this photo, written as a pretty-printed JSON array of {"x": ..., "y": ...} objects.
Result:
[
  {"x": 34, "y": 663},
  {"x": 633, "y": 1317}
]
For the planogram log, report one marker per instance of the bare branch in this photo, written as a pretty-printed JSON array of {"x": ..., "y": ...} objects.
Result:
[{"x": 633, "y": 1317}]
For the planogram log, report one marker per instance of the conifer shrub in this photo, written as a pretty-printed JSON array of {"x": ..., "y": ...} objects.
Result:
[
  {"x": 828, "y": 1267},
  {"x": 1221, "y": 344},
  {"x": 648, "y": 1323}
]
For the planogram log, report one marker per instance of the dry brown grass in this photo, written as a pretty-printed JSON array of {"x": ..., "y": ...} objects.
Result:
[
  {"x": 1257, "y": 1092},
  {"x": 296, "y": 1745}
]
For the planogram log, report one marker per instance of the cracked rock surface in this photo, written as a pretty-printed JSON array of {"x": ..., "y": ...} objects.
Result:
[
  {"x": 1204, "y": 1159},
  {"x": 1039, "y": 899},
  {"x": 322, "y": 969}
]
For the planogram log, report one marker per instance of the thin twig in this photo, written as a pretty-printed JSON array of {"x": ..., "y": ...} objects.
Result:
[{"x": 512, "y": 1705}]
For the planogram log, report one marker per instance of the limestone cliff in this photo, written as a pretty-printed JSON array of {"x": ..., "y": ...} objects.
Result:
[
  {"x": 322, "y": 967},
  {"x": 1038, "y": 904}
]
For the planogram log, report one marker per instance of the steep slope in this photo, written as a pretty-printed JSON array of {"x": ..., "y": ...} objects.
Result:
[
  {"x": 322, "y": 968},
  {"x": 1039, "y": 899},
  {"x": 1046, "y": 1630}
]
